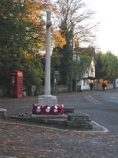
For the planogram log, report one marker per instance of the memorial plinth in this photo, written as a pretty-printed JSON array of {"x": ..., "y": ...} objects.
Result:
[{"x": 47, "y": 100}]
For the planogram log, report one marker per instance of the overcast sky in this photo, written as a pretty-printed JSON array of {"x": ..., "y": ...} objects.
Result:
[{"x": 107, "y": 13}]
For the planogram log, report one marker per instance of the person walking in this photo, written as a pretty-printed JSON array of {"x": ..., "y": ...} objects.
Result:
[
  {"x": 91, "y": 85},
  {"x": 104, "y": 86}
]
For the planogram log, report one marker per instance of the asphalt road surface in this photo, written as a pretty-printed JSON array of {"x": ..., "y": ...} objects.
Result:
[
  {"x": 28, "y": 141},
  {"x": 101, "y": 106}
]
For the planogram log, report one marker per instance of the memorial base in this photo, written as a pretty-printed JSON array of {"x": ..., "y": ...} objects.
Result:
[{"x": 47, "y": 100}]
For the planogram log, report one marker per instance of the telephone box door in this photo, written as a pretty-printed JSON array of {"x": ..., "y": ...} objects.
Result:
[{"x": 16, "y": 85}]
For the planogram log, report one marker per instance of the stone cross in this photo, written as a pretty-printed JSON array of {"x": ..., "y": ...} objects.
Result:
[
  {"x": 48, "y": 50},
  {"x": 47, "y": 98}
]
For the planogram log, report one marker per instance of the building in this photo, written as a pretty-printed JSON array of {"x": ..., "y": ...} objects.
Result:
[{"x": 88, "y": 76}]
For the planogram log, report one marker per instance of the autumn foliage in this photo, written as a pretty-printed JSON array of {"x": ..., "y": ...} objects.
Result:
[
  {"x": 58, "y": 39},
  {"x": 34, "y": 12}
]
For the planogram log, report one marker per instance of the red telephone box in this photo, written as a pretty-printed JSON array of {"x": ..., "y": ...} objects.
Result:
[{"x": 16, "y": 84}]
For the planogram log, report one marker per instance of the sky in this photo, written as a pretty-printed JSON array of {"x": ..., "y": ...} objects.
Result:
[{"x": 106, "y": 12}]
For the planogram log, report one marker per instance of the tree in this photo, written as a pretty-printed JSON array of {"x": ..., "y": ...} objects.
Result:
[
  {"x": 80, "y": 66},
  {"x": 10, "y": 41},
  {"x": 99, "y": 65},
  {"x": 77, "y": 18},
  {"x": 73, "y": 26},
  {"x": 106, "y": 66},
  {"x": 22, "y": 37},
  {"x": 21, "y": 34}
]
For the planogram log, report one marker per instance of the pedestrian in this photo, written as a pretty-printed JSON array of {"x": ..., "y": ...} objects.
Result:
[
  {"x": 104, "y": 86},
  {"x": 91, "y": 85}
]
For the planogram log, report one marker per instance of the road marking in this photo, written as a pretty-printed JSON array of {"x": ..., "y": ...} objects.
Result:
[
  {"x": 115, "y": 99},
  {"x": 104, "y": 129},
  {"x": 91, "y": 99}
]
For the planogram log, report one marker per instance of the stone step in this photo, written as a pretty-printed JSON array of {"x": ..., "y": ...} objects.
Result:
[
  {"x": 49, "y": 116},
  {"x": 77, "y": 125},
  {"x": 78, "y": 117},
  {"x": 3, "y": 112},
  {"x": 68, "y": 110}
]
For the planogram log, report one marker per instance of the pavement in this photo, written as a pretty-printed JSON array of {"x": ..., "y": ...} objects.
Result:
[{"x": 27, "y": 140}]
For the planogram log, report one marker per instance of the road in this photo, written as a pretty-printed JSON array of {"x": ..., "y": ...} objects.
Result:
[
  {"x": 28, "y": 141},
  {"x": 102, "y": 106}
]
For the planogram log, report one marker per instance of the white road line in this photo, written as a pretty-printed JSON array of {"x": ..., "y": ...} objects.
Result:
[
  {"x": 104, "y": 129},
  {"x": 91, "y": 99},
  {"x": 115, "y": 99},
  {"x": 94, "y": 99}
]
